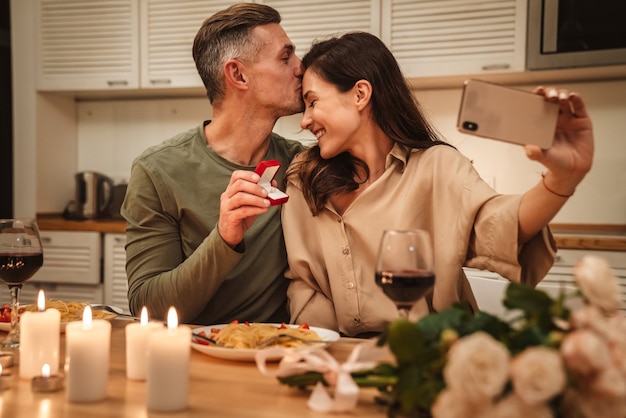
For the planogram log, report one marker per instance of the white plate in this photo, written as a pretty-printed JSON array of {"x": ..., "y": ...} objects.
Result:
[
  {"x": 247, "y": 354},
  {"x": 6, "y": 326}
]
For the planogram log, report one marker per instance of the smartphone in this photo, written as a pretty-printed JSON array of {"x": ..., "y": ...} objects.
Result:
[{"x": 516, "y": 116}]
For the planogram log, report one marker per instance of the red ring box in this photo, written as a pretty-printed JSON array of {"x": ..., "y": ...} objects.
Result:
[{"x": 267, "y": 170}]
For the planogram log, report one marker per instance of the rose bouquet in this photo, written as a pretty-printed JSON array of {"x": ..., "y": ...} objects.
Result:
[{"x": 552, "y": 357}]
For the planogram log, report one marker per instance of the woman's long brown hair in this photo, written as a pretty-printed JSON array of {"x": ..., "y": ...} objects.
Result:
[{"x": 342, "y": 62}]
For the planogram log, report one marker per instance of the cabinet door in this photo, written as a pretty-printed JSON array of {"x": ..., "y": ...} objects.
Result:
[
  {"x": 167, "y": 32},
  {"x": 115, "y": 281},
  {"x": 87, "y": 44},
  {"x": 455, "y": 37},
  {"x": 305, "y": 21}
]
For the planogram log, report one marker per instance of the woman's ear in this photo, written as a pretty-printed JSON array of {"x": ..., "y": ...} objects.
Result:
[
  {"x": 363, "y": 91},
  {"x": 234, "y": 72}
]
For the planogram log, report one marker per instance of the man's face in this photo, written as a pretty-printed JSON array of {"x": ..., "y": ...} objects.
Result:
[{"x": 276, "y": 74}]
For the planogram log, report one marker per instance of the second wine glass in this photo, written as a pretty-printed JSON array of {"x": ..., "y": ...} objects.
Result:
[{"x": 405, "y": 267}]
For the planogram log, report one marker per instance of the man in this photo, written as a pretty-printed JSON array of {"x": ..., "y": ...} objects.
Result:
[{"x": 201, "y": 235}]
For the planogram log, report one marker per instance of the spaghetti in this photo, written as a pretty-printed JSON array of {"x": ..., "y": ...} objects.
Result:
[
  {"x": 251, "y": 335},
  {"x": 71, "y": 311}
]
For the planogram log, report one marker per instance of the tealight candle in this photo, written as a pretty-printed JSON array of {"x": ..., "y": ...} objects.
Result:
[
  {"x": 46, "y": 382},
  {"x": 87, "y": 347},
  {"x": 39, "y": 339},
  {"x": 168, "y": 366},
  {"x": 137, "y": 345},
  {"x": 6, "y": 379}
]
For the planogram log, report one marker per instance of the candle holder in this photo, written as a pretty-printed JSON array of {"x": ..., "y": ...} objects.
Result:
[
  {"x": 6, "y": 359},
  {"x": 6, "y": 380},
  {"x": 50, "y": 383}
]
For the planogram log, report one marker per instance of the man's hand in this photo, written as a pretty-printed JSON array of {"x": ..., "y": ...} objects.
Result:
[{"x": 240, "y": 204}]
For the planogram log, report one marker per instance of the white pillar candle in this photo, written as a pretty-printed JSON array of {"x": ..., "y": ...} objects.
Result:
[
  {"x": 168, "y": 366},
  {"x": 87, "y": 347},
  {"x": 137, "y": 345},
  {"x": 39, "y": 339}
]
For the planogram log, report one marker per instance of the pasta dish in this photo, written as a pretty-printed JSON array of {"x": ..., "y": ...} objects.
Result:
[
  {"x": 71, "y": 311},
  {"x": 251, "y": 335}
]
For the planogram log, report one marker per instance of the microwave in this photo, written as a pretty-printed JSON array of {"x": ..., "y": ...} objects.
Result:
[{"x": 575, "y": 33}]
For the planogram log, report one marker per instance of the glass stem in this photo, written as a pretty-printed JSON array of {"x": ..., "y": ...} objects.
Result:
[{"x": 15, "y": 302}]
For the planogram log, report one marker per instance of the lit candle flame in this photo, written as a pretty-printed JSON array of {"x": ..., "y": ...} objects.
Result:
[
  {"x": 144, "y": 316},
  {"x": 45, "y": 370},
  {"x": 41, "y": 301},
  {"x": 172, "y": 319},
  {"x": 0, "y": 368},
  {"x": 87, "y": 317}
]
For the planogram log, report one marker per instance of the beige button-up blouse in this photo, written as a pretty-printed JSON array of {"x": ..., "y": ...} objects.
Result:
[{"x": 331, "y": 257}]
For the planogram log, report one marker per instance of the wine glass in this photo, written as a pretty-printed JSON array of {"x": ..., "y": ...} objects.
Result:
[
  {"x": 405, "y": 268},
  {"x": 20, "y": 257}
]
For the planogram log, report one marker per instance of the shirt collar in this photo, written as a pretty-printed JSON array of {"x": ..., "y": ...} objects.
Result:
[{"x": 399, "y": 153}]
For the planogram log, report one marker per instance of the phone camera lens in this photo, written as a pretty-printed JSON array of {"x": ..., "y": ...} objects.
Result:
[{"x": 470, "y": 126}]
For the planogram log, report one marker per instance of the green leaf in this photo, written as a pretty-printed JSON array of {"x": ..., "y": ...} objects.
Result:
[
  {"x": 431, "y": 326},
  {"x": 405, "y": 341},
  {"x": 488, "y": 323}
]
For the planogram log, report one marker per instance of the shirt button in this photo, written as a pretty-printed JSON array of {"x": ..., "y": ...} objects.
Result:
[
  {"x": 350, "y": 285},
  {"x": 345, "y": 251},
  {"x": 356, "y": 321}
]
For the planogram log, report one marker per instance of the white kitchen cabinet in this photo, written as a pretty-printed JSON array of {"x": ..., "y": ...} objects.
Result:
[
  {"x": 115, "y": 281},
  {"x": 455, "y": 37},
  {"x": 98, "y": 45},
  {"x": 71, "y": 268},
  {"x": 489, "y": 288},
  {"x": 167, "y": 29},
  {"x": 87, "y": 45},
  {"x": 306, "y": 21}
]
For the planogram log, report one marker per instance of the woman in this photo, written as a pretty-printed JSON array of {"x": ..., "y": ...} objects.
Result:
[{"x": 379, "y": 165}]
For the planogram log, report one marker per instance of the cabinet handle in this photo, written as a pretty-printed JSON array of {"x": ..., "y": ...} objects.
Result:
[
  {"x": 119, "y": 240},
  {"x": 161, "y": 81},
  {"x": 113, "y": 83},
  {"x": 496, "y": 67},
  {"x": 46, "y": 240}
]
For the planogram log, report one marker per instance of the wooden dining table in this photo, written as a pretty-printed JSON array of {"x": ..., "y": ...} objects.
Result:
[{"x": 217, "y": 388}]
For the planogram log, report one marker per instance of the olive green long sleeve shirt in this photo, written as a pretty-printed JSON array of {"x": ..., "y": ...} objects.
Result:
[{"x": 174, "y": 253}]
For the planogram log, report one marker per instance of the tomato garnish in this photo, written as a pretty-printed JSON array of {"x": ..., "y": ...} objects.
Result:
[
  {"x": 304, "y": 326},
  {"x": 283, "y": 326}
]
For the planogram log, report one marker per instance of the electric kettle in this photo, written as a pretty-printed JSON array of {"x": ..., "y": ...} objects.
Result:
[{"x": 94, "y": 194}]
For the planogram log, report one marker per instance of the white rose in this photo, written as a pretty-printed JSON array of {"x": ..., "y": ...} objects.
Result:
[
  {"x": 537, "y": 374},
  {"x": 598, "y": 283},
  {"x": 610, "y": 382},
  {"x": 590, "y": 317},
  {"x": 477, "y": 367},
  {"x": 512, "y": 406},
  {"x": 449, "y": 404},
  {"x": 597, "y": 406},
  {"x": 585, "y": 353}
]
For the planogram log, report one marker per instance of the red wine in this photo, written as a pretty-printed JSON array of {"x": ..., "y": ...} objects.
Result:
[
  {"x": 405, "y": 287},
  {"x": 15, "y": 269}
]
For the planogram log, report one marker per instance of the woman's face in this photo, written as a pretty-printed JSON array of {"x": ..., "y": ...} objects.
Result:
[{"x": 332, "y": 116}]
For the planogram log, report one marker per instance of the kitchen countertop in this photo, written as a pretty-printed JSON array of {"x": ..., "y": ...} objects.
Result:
[
  {"x": 600, "y": 237},
  {"x": 56, "y": 222}
]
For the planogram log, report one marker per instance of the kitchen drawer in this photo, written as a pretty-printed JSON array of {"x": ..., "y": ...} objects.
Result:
[
  {"x": 115, "y": 281},
  {"x": 70, "y": 257}
]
